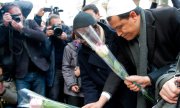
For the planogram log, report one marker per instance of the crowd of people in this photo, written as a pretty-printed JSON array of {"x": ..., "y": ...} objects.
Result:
[{"x": 53, "y": 60}]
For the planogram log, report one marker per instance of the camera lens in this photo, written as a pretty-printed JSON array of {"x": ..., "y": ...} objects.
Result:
[
  {"x": 16, "y": 18},
  {"x": 57, "y": 30}
]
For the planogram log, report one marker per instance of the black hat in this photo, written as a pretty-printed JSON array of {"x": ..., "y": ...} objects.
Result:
[{"x": 83, "y": 19}]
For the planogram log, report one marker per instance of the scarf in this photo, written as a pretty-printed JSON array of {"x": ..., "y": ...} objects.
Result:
[
  {"x": 143, "y": 60},
  {"x": 138, "y": 48}
]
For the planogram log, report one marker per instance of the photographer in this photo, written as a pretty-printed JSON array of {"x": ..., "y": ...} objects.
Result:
[
  {"x": 67, "y": 32},
  {"x": 28, "y": 46},
  {"x": 26, "y": 7},
  {"x": 55, "y": 33}
]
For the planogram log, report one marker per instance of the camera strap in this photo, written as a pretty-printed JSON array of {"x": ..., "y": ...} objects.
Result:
[{"x": 26, "y": 24}]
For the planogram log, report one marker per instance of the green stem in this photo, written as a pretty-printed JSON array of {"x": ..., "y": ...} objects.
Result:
[{"x": 145, "y": 93}]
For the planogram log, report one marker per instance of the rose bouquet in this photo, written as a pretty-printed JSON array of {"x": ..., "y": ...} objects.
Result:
[
  {"x": 34, "y": 100},
  {"x": 96, "y": 43}
]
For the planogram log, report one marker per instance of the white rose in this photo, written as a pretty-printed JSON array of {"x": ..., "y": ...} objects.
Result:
[
  {"x": 102, "y": 50},
  {"x": 36, "y": 103}
]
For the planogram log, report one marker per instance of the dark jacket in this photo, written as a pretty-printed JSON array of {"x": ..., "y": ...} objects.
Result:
[
  {"x": 94, "y": 72},
  {"x": 163, "y": 40},
  {"x": 29, "y": 47},
  {"x": 56, "y": 56}
]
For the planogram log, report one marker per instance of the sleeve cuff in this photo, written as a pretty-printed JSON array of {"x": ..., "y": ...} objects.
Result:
[
  {"x": 151, "y": 79},
  {"x": 38, "y": 17},
  {"x": 106, "y": 94}
]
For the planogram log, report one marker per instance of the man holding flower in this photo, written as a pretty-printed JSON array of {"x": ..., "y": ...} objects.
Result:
[{"x": 153, "y": 40}]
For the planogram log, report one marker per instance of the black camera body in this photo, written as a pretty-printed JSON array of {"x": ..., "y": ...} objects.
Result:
[
  {"x": 54, "y": 10},
  {"x": 47, "y": 9},
  {"x": 16, "y": 17},
  {"x": 57, "y": 30}
]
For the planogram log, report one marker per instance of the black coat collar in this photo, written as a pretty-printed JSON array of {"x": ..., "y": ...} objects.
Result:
[
  {"x": 93, "y": 58},
  {"x": 150, "y": 27}
]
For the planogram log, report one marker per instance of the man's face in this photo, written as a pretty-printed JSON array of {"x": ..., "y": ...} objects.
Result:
[
  {"x": 127, "y": 28},
  {"x": 17, "y": 11},
  {"x": 55, "y": 21}
]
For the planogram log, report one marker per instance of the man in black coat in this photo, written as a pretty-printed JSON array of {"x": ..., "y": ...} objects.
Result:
[
  {"x": 94, "y": 71},
  {"x": 29, "y": 48},
  {"x": 153, "y": 40}
]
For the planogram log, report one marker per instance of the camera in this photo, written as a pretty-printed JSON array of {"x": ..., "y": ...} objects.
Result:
[
  {"x": 57, "y": 30},
  {"x": 47, "y": 10},
  {"x": 16, "y": 17},
  {"x": 54, "y": 10}
]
